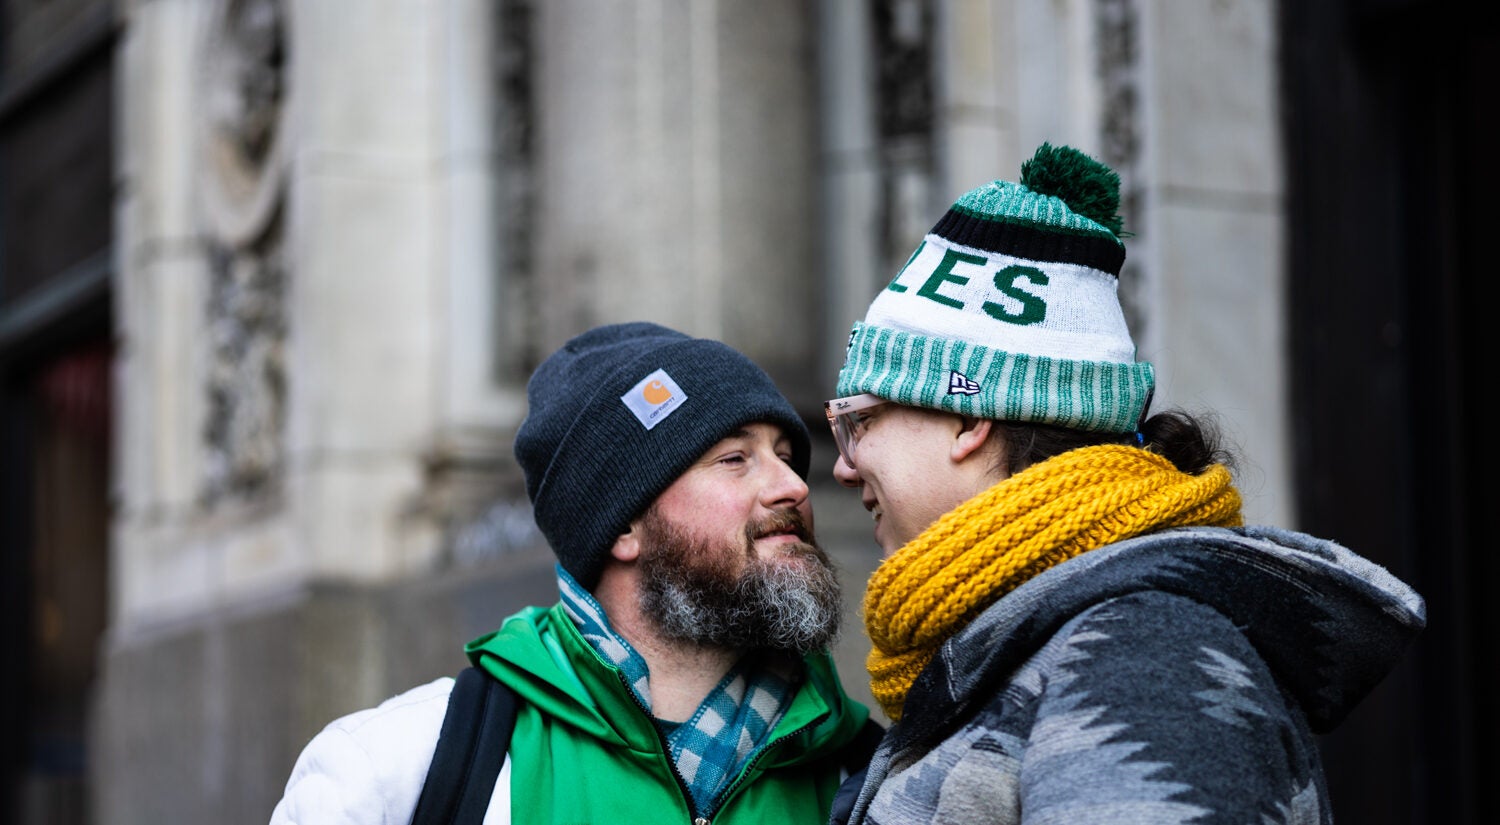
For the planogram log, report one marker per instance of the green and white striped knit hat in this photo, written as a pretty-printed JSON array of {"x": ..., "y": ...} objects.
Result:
[{"x": 1009, "y": 309}]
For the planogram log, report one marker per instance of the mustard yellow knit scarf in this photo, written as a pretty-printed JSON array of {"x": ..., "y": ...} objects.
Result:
[{"x": 989, "y": 545}]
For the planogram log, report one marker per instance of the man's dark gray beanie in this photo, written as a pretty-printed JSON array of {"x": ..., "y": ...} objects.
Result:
[{"x": 592, "y": 465}]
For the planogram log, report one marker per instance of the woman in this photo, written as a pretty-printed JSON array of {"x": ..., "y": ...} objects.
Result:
[{"x": 1071, "y": 623}]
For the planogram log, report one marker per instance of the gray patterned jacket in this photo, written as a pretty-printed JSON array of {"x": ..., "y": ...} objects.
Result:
[{"x": 1176, "y": 677}]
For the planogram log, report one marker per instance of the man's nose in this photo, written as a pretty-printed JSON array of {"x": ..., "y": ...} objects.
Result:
[{"x": 785, "y": 488}]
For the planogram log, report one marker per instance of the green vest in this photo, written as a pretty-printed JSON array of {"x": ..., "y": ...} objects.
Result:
[{"x": 584, "y": 750}]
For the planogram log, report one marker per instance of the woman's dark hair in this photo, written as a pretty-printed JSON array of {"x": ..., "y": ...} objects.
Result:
[{"x": 1191, "y": 443}]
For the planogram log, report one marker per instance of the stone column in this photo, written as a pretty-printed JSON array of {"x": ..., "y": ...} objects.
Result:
[
  {"x": 1214, "y": 233},
  {"x": 307, "y": 276},
  {"x": 676, "y": 182},
  {"x": 854, "y": 267},
  {"x": 365, "y": 207}
]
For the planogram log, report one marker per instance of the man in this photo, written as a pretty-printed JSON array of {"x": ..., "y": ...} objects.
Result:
[
  {"x": 1071, "y": 622},
  {"x": 684, "y": 674}
]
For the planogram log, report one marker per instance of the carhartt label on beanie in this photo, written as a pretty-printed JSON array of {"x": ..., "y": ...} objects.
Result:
[
  {"x": 1009, "y": 308},
  {"x": 654, "y": 398}
]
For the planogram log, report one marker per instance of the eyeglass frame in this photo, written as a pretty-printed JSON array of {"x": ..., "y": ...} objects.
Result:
[{"x": 847, "y": 428}]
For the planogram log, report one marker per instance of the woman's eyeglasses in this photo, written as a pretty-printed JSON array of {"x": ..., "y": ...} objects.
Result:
[{"x": 846, "y": 417}]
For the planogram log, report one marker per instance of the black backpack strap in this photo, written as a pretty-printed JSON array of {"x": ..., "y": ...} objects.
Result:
[
  {"x": 470, "y": 751},
  {"x": 855, "y": 757}
]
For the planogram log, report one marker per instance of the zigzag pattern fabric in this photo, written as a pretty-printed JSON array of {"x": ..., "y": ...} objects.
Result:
[
  {"x": 1181, "y": 676},
  {"x": 733, "y": 722},
  {"x": 986, "y": 547}
]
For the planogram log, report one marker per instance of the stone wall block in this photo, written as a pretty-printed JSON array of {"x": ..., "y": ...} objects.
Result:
[
  {"x": 677, "y": 185},
  {"x": 767, "y": 190},
  {"x": 1223, "y": 331},
  {"x": 1214, "y": 95},
  {"x": 362, "y": 314},
  {"x": 357, "y": 517},
  {"x": 364, "y": 81}
]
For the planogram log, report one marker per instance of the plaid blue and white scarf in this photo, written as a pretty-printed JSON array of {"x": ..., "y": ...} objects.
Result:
[{"x": 728, "y": 729}]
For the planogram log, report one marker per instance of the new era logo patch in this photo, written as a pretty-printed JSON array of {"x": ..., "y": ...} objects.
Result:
[
  {"x": 959, "y": 384},
  {"x": 654, "y": 398}
]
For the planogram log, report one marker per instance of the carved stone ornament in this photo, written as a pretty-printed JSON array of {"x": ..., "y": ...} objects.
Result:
[
  {"x": 243, "y": 116},
  {"x": 245, "y": 428}
]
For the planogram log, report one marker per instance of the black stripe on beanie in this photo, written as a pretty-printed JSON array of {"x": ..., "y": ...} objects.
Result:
[{"x": 1033, "y": 242}]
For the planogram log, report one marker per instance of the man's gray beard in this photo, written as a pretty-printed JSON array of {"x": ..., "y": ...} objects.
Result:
[{"x": 689, "y": 590}]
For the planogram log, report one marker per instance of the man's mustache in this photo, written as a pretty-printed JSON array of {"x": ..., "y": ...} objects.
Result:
[{"x": 782, "y": 521}]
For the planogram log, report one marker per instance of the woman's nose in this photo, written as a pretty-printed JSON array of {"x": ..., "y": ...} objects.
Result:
[{"x": 846, "y": 475}]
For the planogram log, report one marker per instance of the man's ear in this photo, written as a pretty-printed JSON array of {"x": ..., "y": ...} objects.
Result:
[
  {"x": 973, "y": 433},
  {"x": 627, "y": 546}
]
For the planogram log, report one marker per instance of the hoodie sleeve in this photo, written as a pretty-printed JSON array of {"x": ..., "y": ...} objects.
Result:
[
  {"x": 367, "y": 768},
  {"x": 1155, "y": 708}
]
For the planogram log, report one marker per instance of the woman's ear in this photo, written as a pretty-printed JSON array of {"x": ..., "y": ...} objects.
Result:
[
  {"x": 973, "y": 433},
  {"x": 627, "y": 546}
]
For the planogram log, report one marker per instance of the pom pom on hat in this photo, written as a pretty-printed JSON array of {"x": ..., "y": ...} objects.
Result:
[
  {"x": 1087, "y": 186},
  {"x": 1009, "y": 309}
]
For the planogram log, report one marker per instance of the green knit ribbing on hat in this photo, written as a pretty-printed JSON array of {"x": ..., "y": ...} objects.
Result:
[
  {"x": 1006, "y": 202},
  {"x": 968, "y": 378}
]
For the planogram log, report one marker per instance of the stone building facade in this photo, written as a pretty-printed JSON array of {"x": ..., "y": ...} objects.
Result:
[{"x": 342, "y": 234}]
